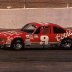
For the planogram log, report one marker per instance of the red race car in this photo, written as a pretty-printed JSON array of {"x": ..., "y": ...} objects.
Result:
[{"x": 35, "y": 34}]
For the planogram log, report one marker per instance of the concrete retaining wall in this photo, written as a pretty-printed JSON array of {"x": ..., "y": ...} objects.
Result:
[{"x": 16, "y": 18}]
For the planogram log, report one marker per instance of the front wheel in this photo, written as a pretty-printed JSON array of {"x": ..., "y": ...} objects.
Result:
[
  {"x": 66, "y": 43},
  {"x": 17, "y": 44}
]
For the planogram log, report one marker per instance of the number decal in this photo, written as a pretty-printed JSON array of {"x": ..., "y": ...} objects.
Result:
[{"x": 44, "y": 39}]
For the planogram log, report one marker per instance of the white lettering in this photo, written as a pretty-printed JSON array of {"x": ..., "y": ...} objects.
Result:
[
  {"x": 64, "y": 35},
  {"x": 58, "y": 37}
]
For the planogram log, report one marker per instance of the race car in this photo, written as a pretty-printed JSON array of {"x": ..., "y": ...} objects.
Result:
[{"x": 36, "y": 34}]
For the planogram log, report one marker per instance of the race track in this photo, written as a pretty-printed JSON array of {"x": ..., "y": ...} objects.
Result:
[{"x": 36, "y": 60}]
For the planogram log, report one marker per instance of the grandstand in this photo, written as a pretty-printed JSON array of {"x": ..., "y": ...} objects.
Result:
[{"x": 35, "y": 3}]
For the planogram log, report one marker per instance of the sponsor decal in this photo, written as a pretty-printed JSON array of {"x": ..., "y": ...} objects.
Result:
[
  {"x": 27, "y": 40},
  {"x": 29, "y": 36},
  {"x": 64, "y": 35}
]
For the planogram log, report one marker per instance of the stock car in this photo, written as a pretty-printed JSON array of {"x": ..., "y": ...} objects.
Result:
[{"x": 36, "y": 34}]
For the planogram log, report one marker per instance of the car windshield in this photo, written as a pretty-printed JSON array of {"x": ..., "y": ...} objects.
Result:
[{"x": 29, "y": 28}]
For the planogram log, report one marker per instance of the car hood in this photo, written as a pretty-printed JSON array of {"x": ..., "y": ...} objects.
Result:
[{"x": 10, "y": 32}]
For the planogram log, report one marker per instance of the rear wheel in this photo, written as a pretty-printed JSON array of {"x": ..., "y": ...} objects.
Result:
[
  {"x": 66, "y": 43},
  {"x": 17, "y": 44}
]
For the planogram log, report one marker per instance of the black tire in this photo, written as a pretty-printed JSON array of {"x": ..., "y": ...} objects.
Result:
[
  {"x": 66, "y": 43},
  {"x": 17, "y": 44}
]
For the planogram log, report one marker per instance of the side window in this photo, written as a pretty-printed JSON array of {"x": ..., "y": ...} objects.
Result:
[
  {"x": 29, "y": 28},
  {"x": 46, "y": 30},
  {"x": 37, "y": 31},
  {"x": 58, "y": 30}
]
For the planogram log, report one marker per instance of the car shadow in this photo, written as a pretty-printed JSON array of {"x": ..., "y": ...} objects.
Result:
[{"x": 56, "y": 48}]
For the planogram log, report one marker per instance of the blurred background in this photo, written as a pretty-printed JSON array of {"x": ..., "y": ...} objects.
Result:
[
  {"x": 35, "y": 3},
  {"x": 17, "y": 13}
]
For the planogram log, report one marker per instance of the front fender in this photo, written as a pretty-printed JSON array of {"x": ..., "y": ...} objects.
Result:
[{"x": 10, "y": 39}]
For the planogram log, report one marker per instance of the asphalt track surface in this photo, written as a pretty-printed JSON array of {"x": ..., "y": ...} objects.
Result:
[{"x": 36, "y": 60}]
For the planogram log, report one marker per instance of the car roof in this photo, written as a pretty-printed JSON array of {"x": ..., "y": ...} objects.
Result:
[
  {"x": 50, "y": 24},
  {"x": 35, "y": 24},
  {"x": 44, "y": 24}
]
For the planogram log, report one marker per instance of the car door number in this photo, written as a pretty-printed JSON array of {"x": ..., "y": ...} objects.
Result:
[{"x": 44, "y": 39}]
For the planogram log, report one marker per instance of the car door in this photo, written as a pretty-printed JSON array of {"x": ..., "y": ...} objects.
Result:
[
  {"x": 42, "y": 35},
  {"x": 36, "y": 36}
]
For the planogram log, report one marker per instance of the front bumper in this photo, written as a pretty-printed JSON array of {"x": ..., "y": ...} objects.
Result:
[{"x": 5, "y": 45}]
